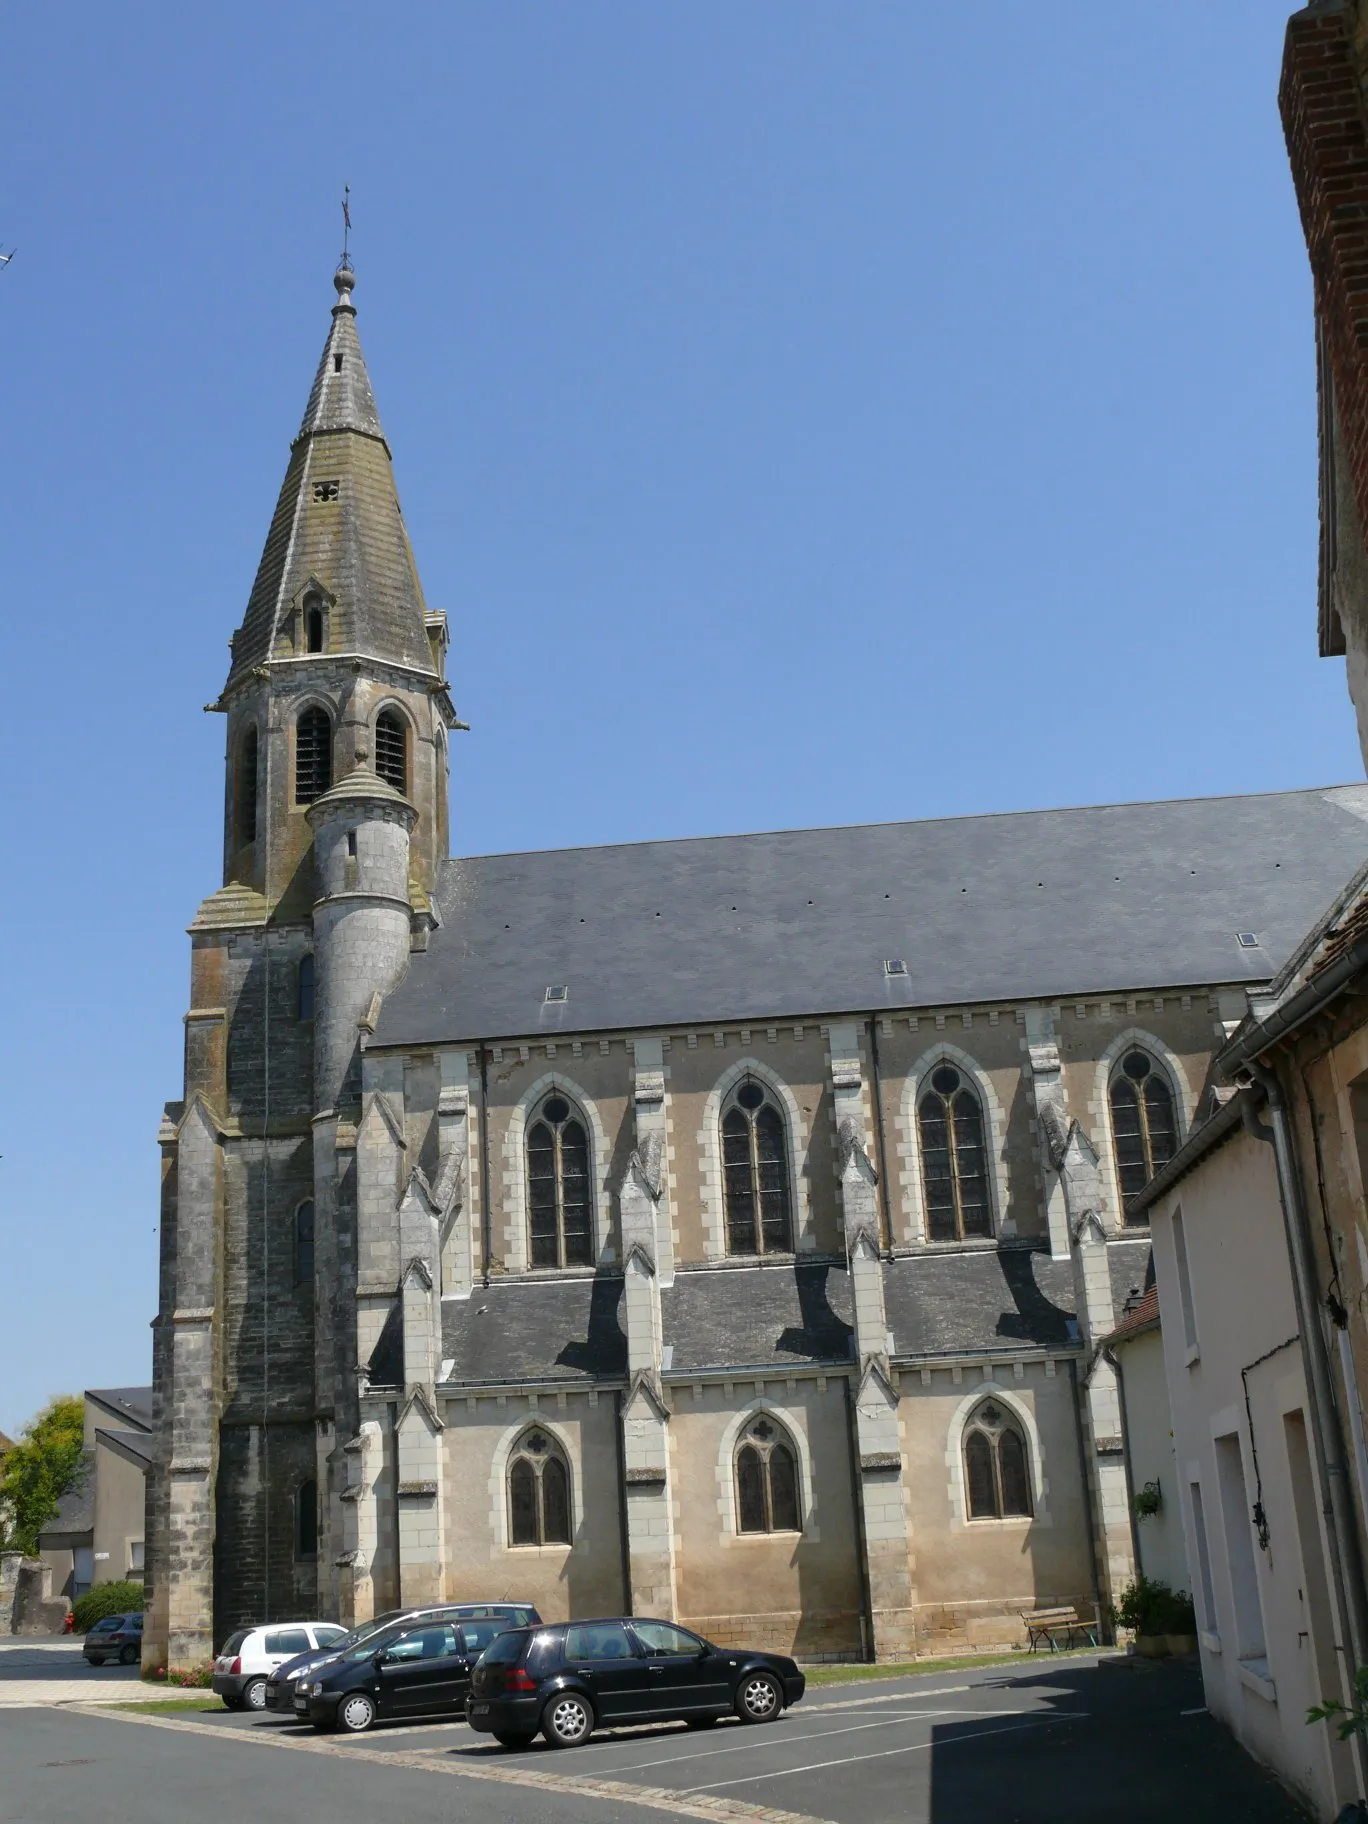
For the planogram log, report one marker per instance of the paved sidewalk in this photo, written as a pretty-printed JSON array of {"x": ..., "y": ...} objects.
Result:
[{"x": 54, "y": 1672}]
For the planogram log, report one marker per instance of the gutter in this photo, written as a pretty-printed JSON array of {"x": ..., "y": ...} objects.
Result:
[
  {"x": 1285, "y": 1020},
  {"x": 1227, "y": 1120}
]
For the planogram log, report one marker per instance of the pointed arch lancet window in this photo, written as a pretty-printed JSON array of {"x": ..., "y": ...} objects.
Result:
[
  {"x": 304, "y": 989},
  {"x": 538, "y": 1492},
  {"x": 954, "y": 1157},
  {"x": 558, "y": 1190},
  {"x": 304, "y": 1243},
  {"x": 755, "y": 1175},
  {"x": 314, "y": 625},
  {"x": 1144, "y": 1125},
  {"x": 997, "y": 1478},
  {"x": 306, "y": 1520},
  {"x": 247, "y": 788},
  {"x": 391, "y": 749},
  {"x": 313, "y": 755},
  {"x": 767, "y": 1499}
]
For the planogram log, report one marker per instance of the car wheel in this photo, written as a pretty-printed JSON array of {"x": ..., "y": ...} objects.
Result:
[
  {"x": 355, "y": 1713},
  {"x": 759, "y": 1700},
  {"x": 509, "y": 1738},
  {"x": 127, "y": 1655},
  {"x": 568, "y": 1720},
  {"x": 91, "y": 1660},
  {"x": 254, "y": 1694},
  {"x": 231, "y": 1703}
]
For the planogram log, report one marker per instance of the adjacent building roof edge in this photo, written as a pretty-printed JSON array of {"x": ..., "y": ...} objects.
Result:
[{"x": 1201, "y": 1141}]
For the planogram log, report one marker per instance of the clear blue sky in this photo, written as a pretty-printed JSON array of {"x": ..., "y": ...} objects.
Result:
[{"x": 804, "y": 413}]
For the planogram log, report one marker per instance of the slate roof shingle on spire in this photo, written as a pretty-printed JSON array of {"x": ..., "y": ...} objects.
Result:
[{"x": 352, "y": 542}]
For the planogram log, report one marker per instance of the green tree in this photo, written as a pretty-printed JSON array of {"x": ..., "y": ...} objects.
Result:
[{"x": 42, "y": 1467}]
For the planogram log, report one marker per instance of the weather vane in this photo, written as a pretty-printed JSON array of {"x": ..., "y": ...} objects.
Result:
[{"x": 346, "y": 264}]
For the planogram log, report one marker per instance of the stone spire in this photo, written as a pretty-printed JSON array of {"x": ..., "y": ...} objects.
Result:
[{"x": 337, "y": 533}]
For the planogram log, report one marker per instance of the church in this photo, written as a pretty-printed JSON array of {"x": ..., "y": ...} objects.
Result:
[{"x": 724, "y": 1229}]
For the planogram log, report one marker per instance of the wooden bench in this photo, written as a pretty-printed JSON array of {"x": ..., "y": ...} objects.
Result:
[{"x": 1047, "y": 1625}]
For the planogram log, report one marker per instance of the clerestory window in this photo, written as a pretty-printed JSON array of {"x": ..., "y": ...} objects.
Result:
[
  {"x": 954, "y": 1157},
  {"x": 755, "y": 1172},
  {"x": 560, "y": 1217},
  {"x": 996, "y": 1476},
  {"x": 538, "y": 1491},
  {"x": 304, "y": 1243},
  {"x": 767, "y": 1480},
  {"x": 1144, "y": 1125}
]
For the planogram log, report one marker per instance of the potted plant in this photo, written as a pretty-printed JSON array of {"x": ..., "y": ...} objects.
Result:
[
  {"x": 1180, "y": 1622},
  {"x": 1143, "y": 1609}
]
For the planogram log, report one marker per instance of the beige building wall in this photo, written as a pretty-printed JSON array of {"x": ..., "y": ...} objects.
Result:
[
  {"x": 1153, "y": 1458},
  {"x": 1269, "y": 1639}
]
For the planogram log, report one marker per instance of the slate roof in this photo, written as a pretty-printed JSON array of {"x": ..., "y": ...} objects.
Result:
[
  {"x": 131, "y": 1404},
  {"x": 533, "y": 1330},
  {"x": 982, "y": 1299},
  {"x": 76, "y": 1509},
  {"x": 757, "y": 1316},
  {"x": 136, "y": 1444},
  {"x": 1129, "y": 1264},
  {"x": 796, "y": 924},
  {"x": 356, "y": 546}
]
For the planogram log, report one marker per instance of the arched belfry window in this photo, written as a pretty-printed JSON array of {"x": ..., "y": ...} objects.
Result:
[
  {"x": 538, "y": 1491},
  {"x": 247, "y": 788},
  {"x": 315, "y": 626},
  {"x": 755, "y": 1172},
  {"x": 559, "y": 1202},
  {"x": 997, "y": 1477},
  {"x": 954, "y": 1156},
  {"x": 1144, "y": 1126},
  {"x": 304, "y": 989},
  {"x": 313, "y": 755},
  {"x": 767, "y": 1480},
  {"x": 391, "y": 749}
]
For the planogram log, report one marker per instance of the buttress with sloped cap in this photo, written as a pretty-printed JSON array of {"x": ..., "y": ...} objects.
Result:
[{"x": 338, "y": 523}]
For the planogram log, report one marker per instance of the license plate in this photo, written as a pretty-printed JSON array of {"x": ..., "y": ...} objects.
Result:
[{"x": 479, "y": 1709}]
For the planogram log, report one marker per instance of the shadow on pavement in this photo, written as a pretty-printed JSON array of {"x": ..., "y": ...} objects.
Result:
[{"x": 1105, "y": 1742}]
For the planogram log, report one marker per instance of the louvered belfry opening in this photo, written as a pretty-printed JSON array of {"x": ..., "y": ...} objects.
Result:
[
  {"x": 313, "y": 756},
  {"x": 391, "y": 749},
  {"x": 247, "y": 788}
]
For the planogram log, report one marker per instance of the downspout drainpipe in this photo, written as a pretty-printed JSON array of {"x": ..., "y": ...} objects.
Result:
[
  {"x": 486, "y": 1214},
  {"x": 1113, "y": 1360},
  {"x": 1346, "y": 1564},
  {"x": 1089, "y": 1513},
  {"x": 624, "y": 1523},
  {"x": 868, "y": 1644}
]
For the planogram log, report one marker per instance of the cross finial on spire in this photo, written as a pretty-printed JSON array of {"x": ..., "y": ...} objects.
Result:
[{"x": 344, "y": 264}]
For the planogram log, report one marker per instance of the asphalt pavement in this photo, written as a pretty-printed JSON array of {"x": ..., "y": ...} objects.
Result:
[{"x": 1109, "y": 1740}]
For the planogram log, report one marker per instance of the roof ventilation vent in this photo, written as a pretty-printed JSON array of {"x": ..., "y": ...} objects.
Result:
[
  {"x": 1247, "y": 940},
  {"x": 562, "y": 993},
  {"x": 894, "y": 965}
]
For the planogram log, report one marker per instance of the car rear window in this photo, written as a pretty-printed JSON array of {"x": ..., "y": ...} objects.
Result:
[
  {"x": 233, "y": 1644},
  {"x": 108, "y": 1625},
  {"x": 505, "y": 1649},
  {"x": 288, "y": 1640}
]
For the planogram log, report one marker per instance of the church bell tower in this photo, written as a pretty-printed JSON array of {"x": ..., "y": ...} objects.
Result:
[{"x": 335, "y": 820}]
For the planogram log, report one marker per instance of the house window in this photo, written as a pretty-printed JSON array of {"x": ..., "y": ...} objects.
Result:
[
  {"x": 558, "y": 1189},
  {"x": 247, "y": 788},
  {"x": 954, "y": 1157},
  {"x": 137, "y": 1557},
  {"x": 314, "y": 627},
  {"x": 755, "y": 1173},
  {"x": 391, "y": 749},
  {"x": 304, "y": 989},
  {"x": 538, "y": 1492},
  {"x": 313, "y": 755},
  {"x": 767, "y": 1480},
  {"x": 996, "y": 1473},
  {"x": 306, "y": 1520},
  {"x": 1144, "y": 1129},
  {"x": 304, "y": 1243}
]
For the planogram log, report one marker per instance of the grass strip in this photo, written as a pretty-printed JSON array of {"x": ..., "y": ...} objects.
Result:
[
  {"x": 158, "y": 1706},
  {"x": 961, "y": 1662}
]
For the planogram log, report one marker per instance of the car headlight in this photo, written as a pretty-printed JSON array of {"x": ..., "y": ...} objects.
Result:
[{"x": 316, "y": 1690}]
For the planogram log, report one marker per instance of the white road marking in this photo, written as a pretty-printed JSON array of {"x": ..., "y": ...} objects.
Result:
[
  {"x": 883, "y": 1754},
  {"x": 781, "y": 1741}
]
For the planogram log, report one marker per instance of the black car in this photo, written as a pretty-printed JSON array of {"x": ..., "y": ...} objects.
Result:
[
  {"x": 116, "y": 1637},
  {"x": 569, "y": 1680},
  {"x": 285, "y": 1686},
  {"x": 408, "y": 1670}
]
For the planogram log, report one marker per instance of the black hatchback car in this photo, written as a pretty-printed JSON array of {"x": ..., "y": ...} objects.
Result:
[
  {"x": 569, "y": 1680},
  {"x": 409, "y": 1670},
  {"x": 287, "y": 1687}
]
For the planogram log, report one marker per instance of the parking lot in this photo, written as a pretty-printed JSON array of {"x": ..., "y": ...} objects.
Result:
[{"x": 1084, "y": 1739}]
